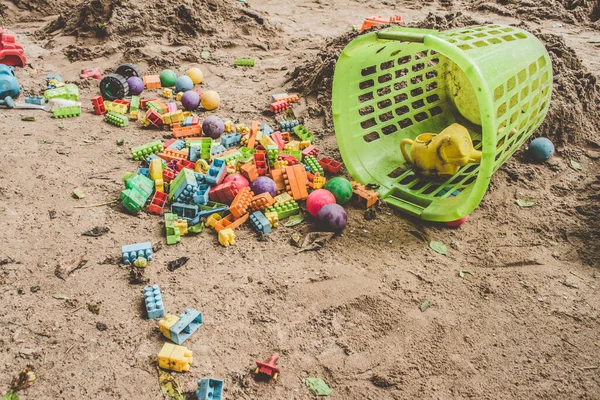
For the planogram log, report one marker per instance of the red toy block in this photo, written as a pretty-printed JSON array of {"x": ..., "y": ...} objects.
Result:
[
  {"x": 144, "y": 101},
  {"x": 279, "y": 106},
  {"x": 158, "y": 203},
  {"x": 296, "y": 182},
  {"x": 155, "y": 118},
  {"x": 195, "y": 120},
  {"x": 98, "y": 104},
  {"x": 249, "y": 171},
  {"x": 269, "y": 369},
  {"x": 11, "y": 53},
  {"x": 260, "y": 162},
  {"x": 223, "y": 193},
  {"x": 261, "y": 201},
  {"x": 310, "y": 151},
  {"x": 122, "y": 101},
  {"x": 276, "y": 137},
  {"x": 187, "y": 131},
  {"x": 91, "y": 73},
  {"x": 370, "y": 22},
  {"x": 330, "y": 165},
  {"x": 168, "y": 175},
  {"x": 181, "y": 164},
  {"x": 291, "y": 160}
]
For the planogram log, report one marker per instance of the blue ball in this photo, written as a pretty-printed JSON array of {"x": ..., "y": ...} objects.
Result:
[
  {"x": 184, "y": 83},
  {"x": 540, "y": 149}
]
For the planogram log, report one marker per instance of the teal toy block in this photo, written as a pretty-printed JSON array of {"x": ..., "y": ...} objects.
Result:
[
  {"x": 288, "y": 126},
  {"x": 230, "y": 140},
  {"x": 154, "y": 303},
  {"x": 185, "y": 211},
  {"x": 285, "y": 210},
  {"x": 313, "y": 165},
  {"x": 218, "y": 149},
  {"x": 183, "y": 186},
  {"x": 67, "y": 92},
  {"x": 260, "y": 222},
  {"x": 132, "y": 252},
  {"x": 177, "y": 144},
  {"x": 304, "y": 133},
  {"x": 143, "y": 151},
  {"x": 67, "y": 112},
  {"x": 201, "y": 195},
  {"x": 216, "y": 172},
  {"x": 188, "y": 323},
  {"x": 210, "y": 389},
  {"x": 230, "y": 157},
  {"x": 245, "y": 62},
  {"x": 193, "y": 153},
  {"x": 116, "y": 119},
  {"x": 140, "y": 181},
  {"x": 39, "y": 101},
  {"x": 266, "y": 129}
]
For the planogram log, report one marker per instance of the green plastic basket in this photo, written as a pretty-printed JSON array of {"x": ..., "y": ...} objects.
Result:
[{"x": 400, "y": 82}]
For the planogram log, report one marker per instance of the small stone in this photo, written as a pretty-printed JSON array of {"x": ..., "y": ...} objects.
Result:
[{"x": 101, "y": 326}]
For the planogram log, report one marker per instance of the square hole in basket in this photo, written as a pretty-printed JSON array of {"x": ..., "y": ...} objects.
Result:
[
  {"x": 421, "y": 54},
  {"x": 524, "y": 92},
  {"x": 405, "y": 123},
  {"x": 535, "y": 84},
  {"x": 418, "y": 104},
  {"x": 545, "y": 77},
  {"x": 400, "y": 85},
  {"x": 521, "y": 35},
  {"x": 437, "y": 110},
  {"x": 431, "y": 86},
  {"x": 522, "y": 76},
  {"x": 480, "y": 35},
  {"x": 388, "y": 130},
  {"x": 542, "y": 62},
  {"x": 433, "y": 98},
  {"x": 386, "y": 116},
  {"x": 384, "y": 90},
  {"x": 387, "y": 65},
  {"x": 366, "y": 84},
  {"x": 532, "y": 68},
  {"x": 384, "y": 78},
  {"x": 433, "y": 62},
  {"x": 416, "y": 92},
  {"x": 416, "y": 79},
  {"x": 499, "y": 92},
  {"x": 384, "y": 104},
  {"x": 495, "y": 32},
  {"x": 422, "y": 116},
  {"x": 407, "y": 180},
  {"x": 464, "y": 47},
  {"x": 501, "y": 110},
  {"x": 365, "y": 97},
  {"x": 401, "y": 72},
  {"x": 431, "y": 74},
  {"x": 418, "y": 67},
  {"x": 494, "y": 41},
  {"x": 366, "y": 110},
  {"x": 508, "y": 38},
  {"x": 399, "y": 98},
  {"x": 514, "y": 100},
  {"x": 396, "y": 172},
  {"x": 507, "y": 29},
  {"x": 404, "y": 60},
  {"x": 368, "y": 70},
  {"x": 368, "y": 123},
  {"x": 480, "y": 43},
  {"x": 402, "y": 110},
  {"x": 510, "y": 85},
  {"x": 371, "y": 137}
]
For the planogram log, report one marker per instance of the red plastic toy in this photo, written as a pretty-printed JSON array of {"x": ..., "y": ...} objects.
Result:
[
  {"x": 98, "y": 104},
  {"x": 91, "y": 73},
  {"x": 11, "y": 53},
  {"x": 269, "y": 369},
  {"x": 370, "y": 22}
]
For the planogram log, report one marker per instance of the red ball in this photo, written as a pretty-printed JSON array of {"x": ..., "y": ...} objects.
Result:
[
  {"x": 240, "y": 181},
  {"x": 458, "y": 222},
  {"x": 317, "y": 199}
]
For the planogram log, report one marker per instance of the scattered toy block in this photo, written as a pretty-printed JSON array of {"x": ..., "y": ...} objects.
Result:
[
  {"x": 260, "y": 162},
  {"x": 310, "y": 150},
  {"x": 131, "y": 252},
  {"x": 278, "y": 177},
  {"x": 249, "y": 171},
  {"x": 223, "y": 193},
  {"x": 210, "y": 389},
  {"x": 116, "y": 119},
  {"x": 278, "y": 140},
  {"x": 201, "y": 195},
  {"x": 173, "y": 118},
  {"x": 98, "y": 105},
  {"x": 241, "y": 202},
  {"x": 185, "y": 211},
  {"x": 153, "y": 300},
  {"x": 67, "y": 112},
  {"x": 362, "y": 196},
  {"x": 260, "y": 222},
  {"x": 175, "y": 358},
  {"x": 370, "y": 22},
  {"x": 212, "y": 220},
  {"x": 330, "y": 165},
  {"x": 314, "y": 166},
  {"x": 285, "y": 210},
  {"x": 67, "y": 92},
  {"x": 319, "y": 181},
  {"x": 167, "y": 93},
  {"x": 172, "y": 154},
  {"x": 168, "y": 175},
  {"x": 230, "y": 222},
  {"x": 296, "y": 182},
  {"x": 304, "y": 133},
  {"x": 154, "y": 118},
  {"x": 288, "y": 126},
  {"x": 172, "y": 231},
  {"x": 144, "y": 102},
  {"x": 217, "y": 149},
  {"x": 183, "y": 186},
  {"x": 158, "y": 202},
  {"x": 245, "y": 62},
  {"x": 113, "y": 106},
  {"x": 226, "y": 236},
  {"x": 142, "y": 151},
  {"x": 179, "y": 329},
  {"x": 273, "y": 218},
  {"x": 233, "y": 139},
  {"x": 216, "y": 172},
  {"x": 268, "y": 369},
  {"x": 151, "y": 81},
  {"x": 261, "y": 201},
  {"x": 279, "y": 107},
  {"x": 95, "y": 73}
]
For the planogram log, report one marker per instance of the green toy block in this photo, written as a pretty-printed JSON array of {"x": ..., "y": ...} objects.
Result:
[
  {"x": 245, "y": 62},
  {"x": 272, "y": 153},
  {"x": 204, "y": 144},
  {"x": 67, "y": 92},
  {"x": 67, "y": 112},
  {"x": 143, "y": 151},
  {"x": 247, "y": 154},
  {"x": 231, "y": 157},
  {"x": 211, "y": 205},
  {"x": 285, "y": 210},
  {"x": 134, "y": 105},
  {"x": 117, "y": 119},
  {"x": 134, "y": 199},
  {"x": 173, "y": 233},
  {"x": 314, "y": 165},
  {"x": 142, "y": 182},
  {"x": 152, "y": 105},
  {"x": 304, "y": 133},
  {"x": 297, "y": 154}
]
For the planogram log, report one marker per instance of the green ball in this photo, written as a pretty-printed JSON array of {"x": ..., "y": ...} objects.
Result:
[
  {"x": 340, "y": 188},
  {"x": 168, "y": 78}
]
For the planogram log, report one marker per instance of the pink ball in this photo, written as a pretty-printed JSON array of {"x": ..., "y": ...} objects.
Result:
[
  {"x": 240, "y": 181},
  {"x": 190, "y": 100},
  {"x": 317, "y": 199}
]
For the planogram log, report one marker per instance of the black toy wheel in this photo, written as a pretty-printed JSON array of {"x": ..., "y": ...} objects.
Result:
[
  {"x": 128, "y": 70},
  {"x": 114, "y": 87}
]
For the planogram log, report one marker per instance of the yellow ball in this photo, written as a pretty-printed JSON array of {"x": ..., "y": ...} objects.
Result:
[
  {"x": 195, "y": 75},
  {"x": 210, "y": 100}
]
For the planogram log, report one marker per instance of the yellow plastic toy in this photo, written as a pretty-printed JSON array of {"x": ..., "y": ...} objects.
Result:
[
  {"x": 167, "y": 93},
  {"x": 195, "y": 75},
  {"x": 166, "y": 324},
  {"x": 179, "y": 96},
  {"x": 155, "y": 169},
  {"x": 159, "y": 185},
  {"x": 319, "y": 181},
  {"x": 212, "y": 220},
  {"x": 272, "y": 218},
  {"x": 210, "y": 100},
  {"x": 226, "y": 237},
  {"x": 441, "y": 155},
  {"x": 201, "y": 166},
  {"x": 229, "y": 126},
  {"x": 175, "y": 358}
]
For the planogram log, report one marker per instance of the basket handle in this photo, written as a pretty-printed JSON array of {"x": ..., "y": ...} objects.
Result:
[{"x": 415, "y": 37}]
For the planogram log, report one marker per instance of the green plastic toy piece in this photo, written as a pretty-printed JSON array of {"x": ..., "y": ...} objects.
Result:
[
  {"x": 134, "y": 199},
  {"x": 134, "y": 105},
  {"x": 314, "y": 165},
  {"x": 297, "y": 154},
  {"x": 211, "y": 206},
  {"x": 140, "y": 181},
  {"x": 143, "y": 151},
  {"x": 245, "y": 62},
  {"x": 67, "y": 92},
  {"x": 231, "y": 157},
  {"x": 247, "y": 154},
  {"x": 272, "y": 153},
  {"x": 398, "y": 83},
  {"x": 67, "y": 112},
  {"x": 152, "y": 105},
  {"x": 173, "y": 233},
  {"x": 304, "y": 133},
  {"x": 285, "y": 210},
  {"x": 117, "y": 119}
]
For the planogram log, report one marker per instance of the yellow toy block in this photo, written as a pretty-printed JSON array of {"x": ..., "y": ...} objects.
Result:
[
  {"x": 166, "y": 324},
  {"x": 212, "y": 220},
  {"x": 304, "y": 144},
  {"x": 182, "y": 225},
  {"x": 115, "y": 107},
  {"x": 244, "y": 140},
  {"x": 145, "y": 122},
  {"x": 155, "y": 169},
  {"x": 242, "y": 129},
  {"x": 229, "y": 126},
  {"x": 280, "y": 164},
  {"x": 272, "y": 218},
  {"x": 179, "y": 96},
  {"x": 201, "y": 166},
  {"x": 226, "y": 237},
  {"x": 292, "y": 145},
  {"x": 319, "y": 181},
  {"x": 134, "y": 115},
  {"x": 186, "y": 114},
  {"x": 282, "y": 198},
  {"x": 167, "y": 93},
  {"x": 159, "y": 185},
  {"x": 266, "y": 141},
  {"x": 175, "y": 358}
]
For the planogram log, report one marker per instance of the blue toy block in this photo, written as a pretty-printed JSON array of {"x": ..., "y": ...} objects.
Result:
[
  {"x": 273, "y": 100},
  {"x": 187, "y": 121},
  {"x": 144, "y": 171},
  {"x": 206, "y": 213},
  {"x": 178, "y": 144},
  {"x": 230, "y": 140},
  {"x": 185, "y": 211},
  {"x": 266, "y": 129},
  {"x": 217, "y": 149},
  {"x": 154, "y": 303},
  {"x": 193, "y": 153},
  {"x": 35, "y": 100},
  {"x": 131, "y": 252},
  {"x": 260, "y": 222},
  {"x": 183, "y": 186},
  {"x": 200, "y": 178},
  {"x": 201, "y": 195},
  {"x": 288, "y": 126},
  {"x": 216, "y": 172},
  {"x": 210, "y": 389},
  {"x": 188, "y": 323}
]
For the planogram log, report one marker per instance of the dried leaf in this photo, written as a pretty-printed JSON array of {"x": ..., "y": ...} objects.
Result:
[
  {"x": 28, "y": 119},
  {"x": 294, "y": 220},
  {"x": 315, "y": 240},
  {"x": 67, "y": 268},
  {"x": 94, "y": 308},
  {"x": 25, "y": 379},
  {"x": 60, "y": 296},
  {"x": 424, "y": 305},
  {"x": 524, "y": 203},
  {"x": 438, "y": 247},
  {"x": 464, "y": 272},
  {"x": 96, "y": 231},
  {"x": 169, "y": 386},
  {"x": 180, "y": 262},
  {"x": 575, "y": 165},
  {"x": 317, "y": 386}
]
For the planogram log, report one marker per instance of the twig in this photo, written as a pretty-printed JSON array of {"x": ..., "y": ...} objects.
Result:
[
  {"x": 75, "y": 310},
  {"x": 566, "y": 341},
  {"x": 592, "y": 367},
  {"x": 97, "y": 205},
  {"x": 420, "y": 277},
  {"x": 69, "y": 349}
]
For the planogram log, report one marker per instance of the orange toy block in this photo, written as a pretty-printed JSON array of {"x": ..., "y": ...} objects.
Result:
[
  {"x": 230, "y": 222},
  {"x": 249, "y": 171},
  {"x": 187, "y": 131},
  {"x": 241, "y": 202},
  {"x": 254, "y": 128},
  {"x": 261, "y": 201},
  {"x": 151, "y": 81},
  {"x": 369, "y": 22},
  {"x": 296, "y": 182},
  {"x": 288, "y": 99},
  {"x": 277, "y": 176},
  {"x": 363, "y": 196},
  {"x": 173, "y": 154}
]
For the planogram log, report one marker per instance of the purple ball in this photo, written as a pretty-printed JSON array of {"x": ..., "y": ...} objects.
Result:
[
  {"x": 136, "y": 85},
  {"x": 334, "y": 216},
  {"x": 190, "y": 100},
  {"x": 213, "y": 126},
  {"x": 264, "y": 184}
]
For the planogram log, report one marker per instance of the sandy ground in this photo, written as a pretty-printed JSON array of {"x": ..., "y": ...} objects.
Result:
[{"x": 524, "y": 325}]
